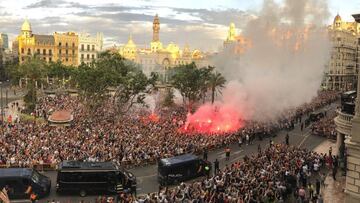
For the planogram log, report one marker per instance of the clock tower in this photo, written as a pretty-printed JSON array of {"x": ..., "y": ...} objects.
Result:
[{"x": 156, "y": 29}]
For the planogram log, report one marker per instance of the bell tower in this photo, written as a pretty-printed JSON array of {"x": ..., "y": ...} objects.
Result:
[{"x": 156, "y": 29}]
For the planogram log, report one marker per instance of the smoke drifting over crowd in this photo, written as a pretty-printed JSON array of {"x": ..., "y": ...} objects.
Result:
[{"x": 283, "y": 65}]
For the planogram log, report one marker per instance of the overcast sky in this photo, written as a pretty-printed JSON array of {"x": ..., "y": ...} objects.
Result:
[{"x": 200, "y": 23}]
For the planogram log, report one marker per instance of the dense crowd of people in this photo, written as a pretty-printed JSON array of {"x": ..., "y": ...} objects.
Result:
[
  {"x": 279, "y": 173},
  {"x": 325, "y": 127},
  {"x": 131, "y": 140}
]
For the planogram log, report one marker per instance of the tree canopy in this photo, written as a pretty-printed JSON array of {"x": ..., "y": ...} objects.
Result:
[
  {"x": 193, "y": 83},
  {"x": 113, "y": 71}
]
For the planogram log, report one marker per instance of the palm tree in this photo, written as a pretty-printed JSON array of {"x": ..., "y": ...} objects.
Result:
[{"x": 216, "y": 83}]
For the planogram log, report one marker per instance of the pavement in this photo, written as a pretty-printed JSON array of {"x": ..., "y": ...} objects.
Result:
[{"x": 147, "y": 175}]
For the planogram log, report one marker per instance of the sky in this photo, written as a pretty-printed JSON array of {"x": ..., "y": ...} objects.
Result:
[{"x": 201, "y": 24}]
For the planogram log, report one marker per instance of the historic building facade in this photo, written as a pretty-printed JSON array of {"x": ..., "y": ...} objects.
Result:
[
  {"x": 89, "y": 47},
  {"x": 66, "y": 48},
  {"x": 348, "y": 127},
  {"x": 70, "y": 48},
  {"x": 341, "y": 73},
  {"x": 29, "y": 44},
  {"x": 236, "y": 43},
  {"x": 160, "y": 58}
]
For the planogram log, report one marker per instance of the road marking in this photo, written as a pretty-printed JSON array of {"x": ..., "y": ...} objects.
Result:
[
  {"x": 238, "y": 152},
  {"x": 303, "y": 140}
]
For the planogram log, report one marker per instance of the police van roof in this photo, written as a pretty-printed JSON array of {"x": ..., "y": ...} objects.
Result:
[
  {"x": 15, "y": 172},
  {"x": 179, "y": 159},
  {"x": 79, "y": 165}
]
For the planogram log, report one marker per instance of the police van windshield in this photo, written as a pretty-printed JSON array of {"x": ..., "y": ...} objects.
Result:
[{"x": 35, "y": 177}]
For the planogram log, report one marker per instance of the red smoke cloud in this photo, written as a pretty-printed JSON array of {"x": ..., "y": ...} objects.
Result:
[{"x": 212, "y": 119}]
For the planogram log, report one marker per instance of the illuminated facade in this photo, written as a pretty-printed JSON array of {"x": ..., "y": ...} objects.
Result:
[
  {"x": 342, "y": 69},
  {"x": 69, "y": 48},
  {"x": 66, "y": 48},
  {"x": 89, "y": 47},
  {"x": 159, "y": 58},
  {"x": 29, "y": 44},
  {"x": 236, "y": 43}
]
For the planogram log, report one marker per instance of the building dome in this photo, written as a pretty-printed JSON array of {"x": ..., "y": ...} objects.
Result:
[
  {"x": 337, "y": 18},
  {"x": 26, "y": 26},
  {"x": 130, "y": 43},
  {"x": 337, "y": 22}
]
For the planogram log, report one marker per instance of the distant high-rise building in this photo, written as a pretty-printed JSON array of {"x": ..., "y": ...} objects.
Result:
[{"x": 4, "y": 41}]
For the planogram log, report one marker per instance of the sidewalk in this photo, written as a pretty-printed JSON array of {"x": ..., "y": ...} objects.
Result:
[{"x": 334, "y": 190}]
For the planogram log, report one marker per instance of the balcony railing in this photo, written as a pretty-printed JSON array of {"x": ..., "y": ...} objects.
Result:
[{"x": 343, "y": 122}]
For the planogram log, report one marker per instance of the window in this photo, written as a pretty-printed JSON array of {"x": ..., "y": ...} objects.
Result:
[
  {"x": 92, "y": 56},
  {"x": 88, "y": 56},
  {"x": 44, "y": 58},
  {"x": 44, "y": 51},
  {"x": 38, "y": 51},
  {"x": 22, "y": 50},
  {"x": 59, "y": 44},
  {"x": 29, "y": 51},
  {"x": 73, "y": 44},
  {"x": 66, "y": 44},
  {"x": 82, "y": 47},
  {"x": 82, "y": 56},
  {"x": 66, "y": 59},
  {"x": 50, "y": 52},
  {"x": 50, "y": 59},
  {"x": 66, "y": 52},
  {"x": 73, "y": 52},
  {"x": 88, "y": 47},
  {"x": 59, "y": 51},
  {"x": 93, "y": 47}
]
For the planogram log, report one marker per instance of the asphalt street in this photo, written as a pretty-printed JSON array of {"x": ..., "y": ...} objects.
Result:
[{"x": 147, "y": 175}]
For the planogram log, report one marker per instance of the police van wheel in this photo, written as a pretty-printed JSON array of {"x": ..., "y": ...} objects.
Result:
[{"x": 82, "y": 193}]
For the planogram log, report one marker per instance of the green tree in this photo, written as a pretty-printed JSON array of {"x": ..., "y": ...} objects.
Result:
[
  {"x": 112, "y": 70},
  {"x": 191, "y": 82},
  {"x": 216, "y": 84},
  {"x": 60, "y": 72},
  {"x": 169, "y": 98},
  {"x": 33, "y": 70}
]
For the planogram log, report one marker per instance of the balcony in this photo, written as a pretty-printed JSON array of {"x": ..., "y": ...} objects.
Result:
[{"x": 343, "y": 122}]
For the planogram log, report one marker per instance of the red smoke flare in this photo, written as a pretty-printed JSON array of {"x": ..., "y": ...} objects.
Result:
[{"x": 209, "y": 119}]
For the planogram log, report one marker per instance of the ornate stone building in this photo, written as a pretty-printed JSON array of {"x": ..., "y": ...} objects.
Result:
[
  {"x": 350, "y": 125},
  {"x": 159, "y": 58},
  {"x": 341, "y": 73},
  {"x": 69, "y": 48},
  {"x": 29, "y": 44},
  {"x": 234, "y": 42}
]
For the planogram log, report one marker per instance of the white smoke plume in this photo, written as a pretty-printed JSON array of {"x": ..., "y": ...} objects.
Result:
[{"x": 285, "y": 63}]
